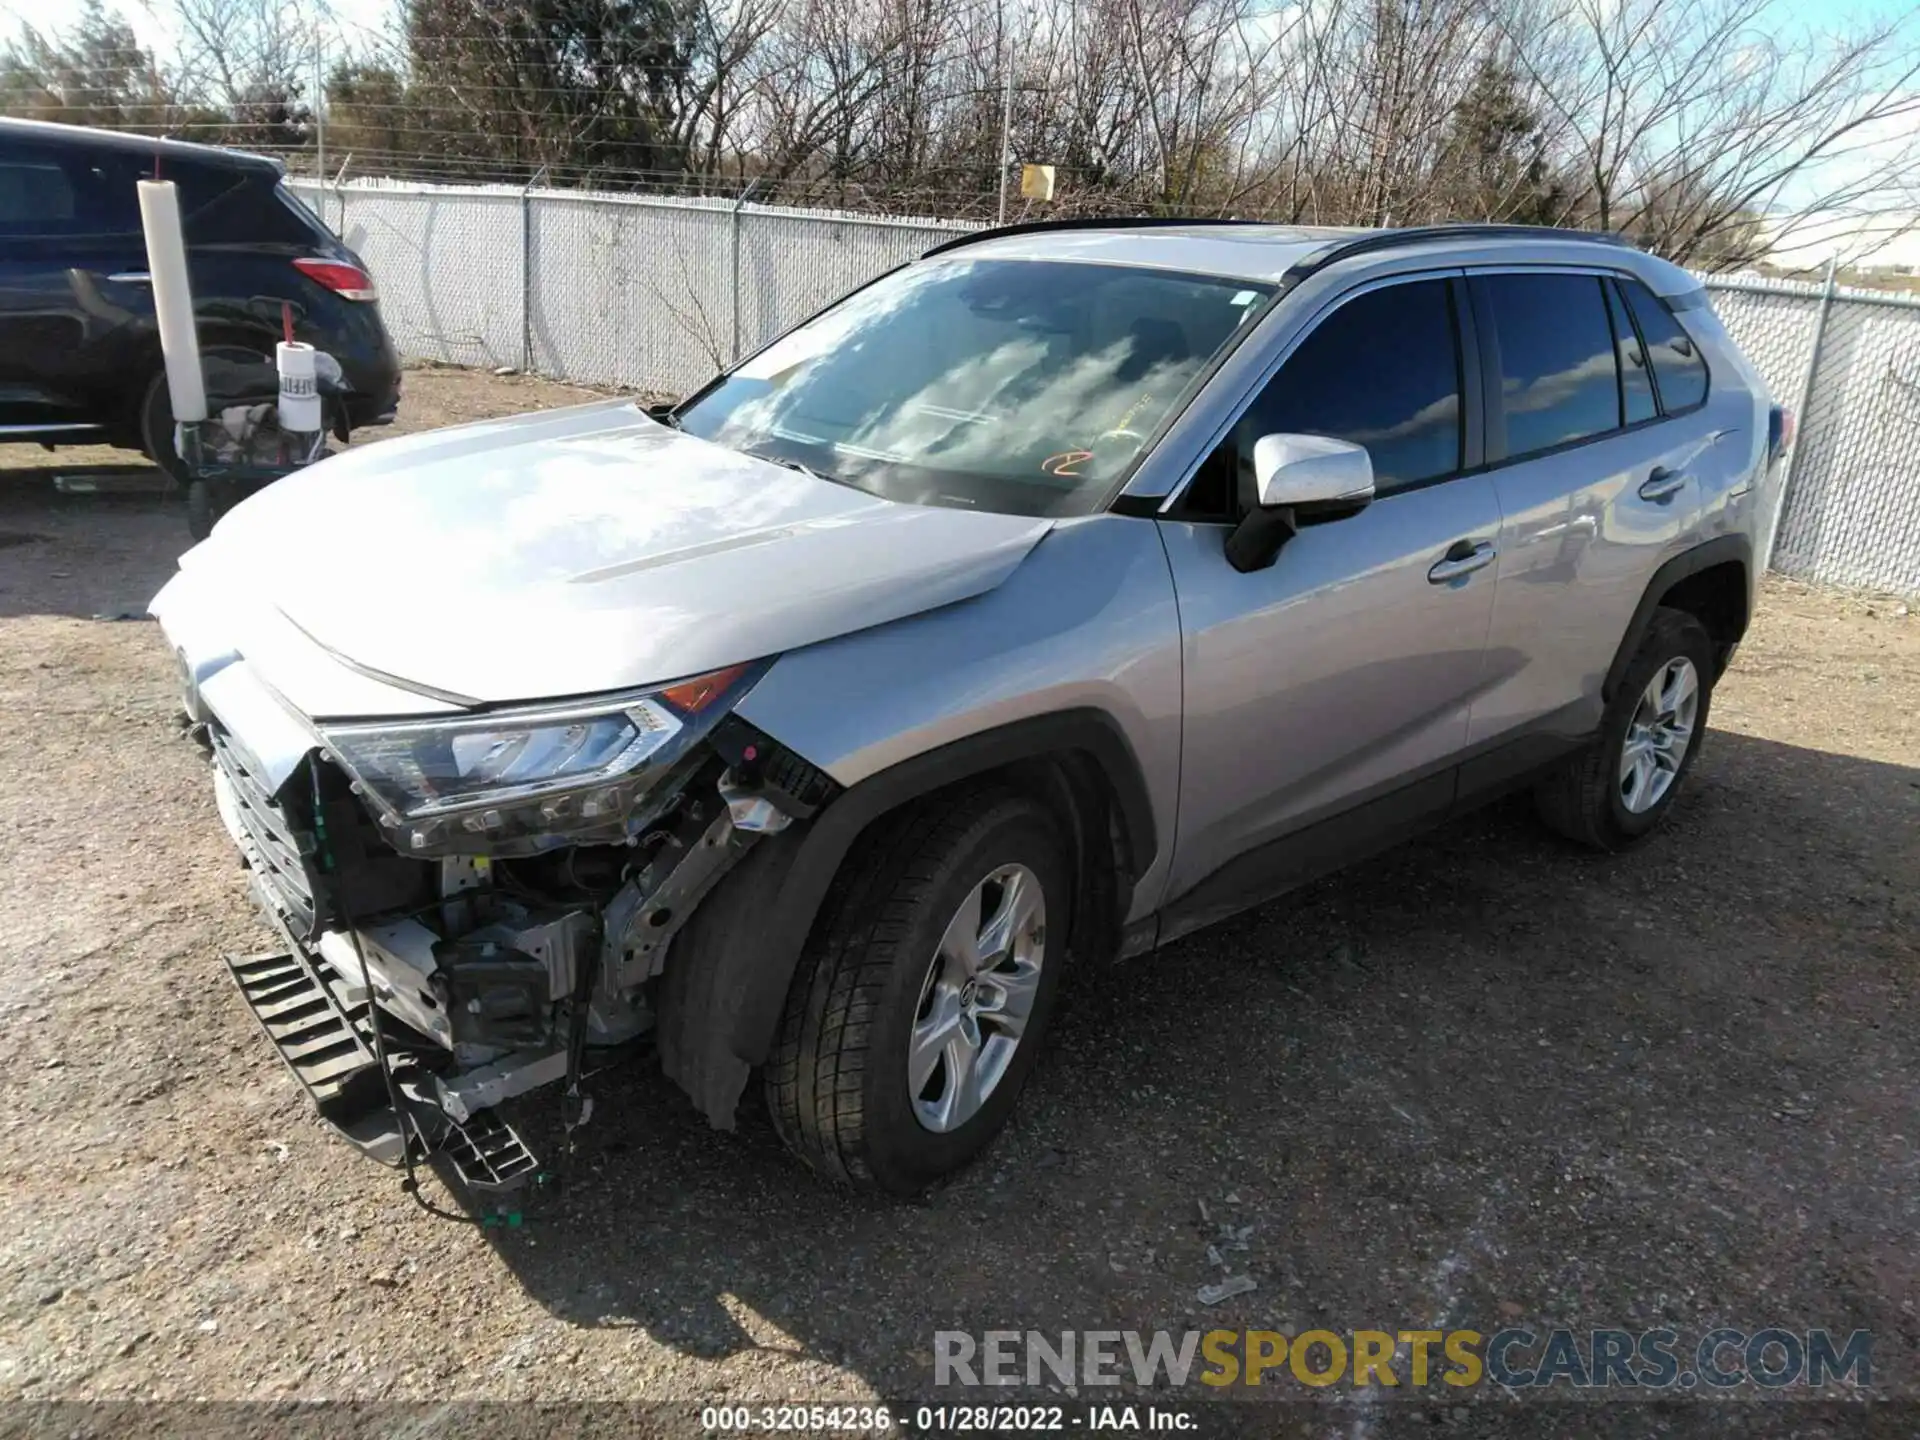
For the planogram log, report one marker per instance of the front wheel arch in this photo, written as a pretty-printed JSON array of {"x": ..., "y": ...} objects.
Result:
[{"x": 729, "y": 971}]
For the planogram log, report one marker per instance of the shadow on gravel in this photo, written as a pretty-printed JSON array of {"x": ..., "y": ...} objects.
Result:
[
  {"x": 1483, "y": 1080},
  {"x": 86, "y": 555}
]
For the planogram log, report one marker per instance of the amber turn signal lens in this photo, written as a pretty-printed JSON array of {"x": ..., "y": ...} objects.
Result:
[{"x": 690, "y": 697}]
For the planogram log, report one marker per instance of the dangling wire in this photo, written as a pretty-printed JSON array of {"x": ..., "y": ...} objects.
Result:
[{"x": 402, "y": 1125}]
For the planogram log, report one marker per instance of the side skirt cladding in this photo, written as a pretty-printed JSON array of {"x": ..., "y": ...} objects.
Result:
[{"x": 727, "y": 976}]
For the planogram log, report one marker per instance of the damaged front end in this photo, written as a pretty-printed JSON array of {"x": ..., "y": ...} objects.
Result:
[{"x": 497, "y": 891}]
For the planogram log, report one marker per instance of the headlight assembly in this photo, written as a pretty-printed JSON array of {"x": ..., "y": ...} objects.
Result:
[{"x": 492, "y": 782}]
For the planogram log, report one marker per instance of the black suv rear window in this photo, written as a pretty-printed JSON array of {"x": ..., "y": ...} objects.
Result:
[
  {"x": 35, "y": 196},
  {"x": 72, "y": 189}
]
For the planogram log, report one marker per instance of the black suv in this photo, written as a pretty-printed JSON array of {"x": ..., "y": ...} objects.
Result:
[{"x": 79, "y": 353}]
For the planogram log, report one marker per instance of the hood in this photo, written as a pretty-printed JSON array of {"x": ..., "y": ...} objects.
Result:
[{"x": 582, "y": 550}]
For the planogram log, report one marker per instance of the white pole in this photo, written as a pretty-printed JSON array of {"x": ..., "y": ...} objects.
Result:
[{"x": 173, "y": 301}]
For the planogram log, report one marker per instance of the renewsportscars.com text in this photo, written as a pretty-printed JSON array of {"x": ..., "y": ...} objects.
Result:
[{"x": 1512, "y": 1358}]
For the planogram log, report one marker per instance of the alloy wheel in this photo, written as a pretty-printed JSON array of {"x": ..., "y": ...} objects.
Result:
[
  {"x": 977, "y": 998},
  {"x": 1659, "y": 735}
]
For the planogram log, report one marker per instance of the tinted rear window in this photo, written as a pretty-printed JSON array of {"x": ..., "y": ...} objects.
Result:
[
  {"x": 70, "y": 189},
  {"x": 1558, "y": 380},
  {"x": 35, "y": 197},
  {"x": 1678, "y": 367}
]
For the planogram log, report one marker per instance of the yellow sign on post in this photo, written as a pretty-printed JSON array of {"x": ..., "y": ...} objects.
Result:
[{"x": 1036, "y": 182}]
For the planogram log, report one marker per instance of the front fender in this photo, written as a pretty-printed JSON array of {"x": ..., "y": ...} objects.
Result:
[
  {"x": 727, "y": 976},
  {"x": 1078, "y": 652}
]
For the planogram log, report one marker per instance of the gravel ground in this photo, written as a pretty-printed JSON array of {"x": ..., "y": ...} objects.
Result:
[{"x": 1482, "y": 1080}]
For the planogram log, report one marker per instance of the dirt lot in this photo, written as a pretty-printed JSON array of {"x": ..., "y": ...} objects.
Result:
[{"x": 1481, "y": 1081}]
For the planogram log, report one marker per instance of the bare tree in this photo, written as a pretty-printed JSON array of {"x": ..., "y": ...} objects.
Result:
[
  {"x": 1690, "y": 124},
  {"x": 248, "y": 68},
  {"x": 1706, "y": 129}
]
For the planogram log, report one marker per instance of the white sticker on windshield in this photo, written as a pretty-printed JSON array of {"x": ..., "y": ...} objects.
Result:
[{"x": 1245, "y": 297}]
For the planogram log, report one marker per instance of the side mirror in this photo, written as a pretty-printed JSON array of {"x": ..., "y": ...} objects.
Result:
[
  {"x": 1298, "y": 480},
  {"x": 1306, "y": 472}
]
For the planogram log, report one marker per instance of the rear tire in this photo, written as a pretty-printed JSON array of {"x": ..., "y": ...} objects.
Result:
[
  {"x": 1615, "y": 793},
  {"x": 904, "y": 976},
  {"x": 156, "y": 432}
]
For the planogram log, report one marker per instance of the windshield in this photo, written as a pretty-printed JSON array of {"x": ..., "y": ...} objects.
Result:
[{"x": 1021, "y": 386}]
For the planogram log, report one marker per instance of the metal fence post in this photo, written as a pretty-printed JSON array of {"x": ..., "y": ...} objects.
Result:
[
  {"x": 739, "y": 205},
  {"x": 319, "y": 110},
  {"x": 526, "y": 271},
  {"x": 1800, "y": 416},
  {"x": 339, "y": 196}
]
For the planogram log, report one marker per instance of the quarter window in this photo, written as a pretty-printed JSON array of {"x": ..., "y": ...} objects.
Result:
[
  {"x": 1558, "y": 379},
  {"x": 1382, "y": 371},
  {"x": 1636, "y": 378},
  {"x": 1678, "y": 367}
]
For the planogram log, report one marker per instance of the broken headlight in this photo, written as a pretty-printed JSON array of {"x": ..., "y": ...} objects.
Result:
[{"x": 515, "y": 778}]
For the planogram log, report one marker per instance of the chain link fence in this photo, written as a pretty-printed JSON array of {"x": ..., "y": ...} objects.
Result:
[{"x": 655, "y": 294}]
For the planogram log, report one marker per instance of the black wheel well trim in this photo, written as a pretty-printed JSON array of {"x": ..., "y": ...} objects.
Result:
[
  {"x": 741, "y": 1002},
  {"x": 834, "y": 831},
  {"x": 1720, "y": 550}
]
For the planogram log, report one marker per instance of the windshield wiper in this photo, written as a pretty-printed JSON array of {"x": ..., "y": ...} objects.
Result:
[{"x": 789, "y": 464}]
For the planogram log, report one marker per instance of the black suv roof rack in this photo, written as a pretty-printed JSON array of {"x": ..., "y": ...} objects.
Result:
[
  {"x": 1107, "y": 222},
  {"x": 1415, "y": 234}
]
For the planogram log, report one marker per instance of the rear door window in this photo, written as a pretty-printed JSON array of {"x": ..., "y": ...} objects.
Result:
[
  {"x": 1559, "y": 382},
  {"x": 1679, "y": 369}
]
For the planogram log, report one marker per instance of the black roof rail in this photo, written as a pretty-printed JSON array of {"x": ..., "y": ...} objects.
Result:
[
  {"x": 1415, "y": 234},
  {"x": 1108, "y": 222}
]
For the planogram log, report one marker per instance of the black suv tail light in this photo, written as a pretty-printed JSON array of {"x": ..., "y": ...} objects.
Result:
[{"x": 349, "y": 282}]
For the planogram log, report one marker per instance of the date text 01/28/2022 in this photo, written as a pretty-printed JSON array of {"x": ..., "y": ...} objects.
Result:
[{"x": 940, "y": 1419}]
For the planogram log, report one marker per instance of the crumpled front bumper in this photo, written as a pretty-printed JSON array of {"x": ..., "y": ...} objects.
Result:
[{"x": 324, "y": 1037}]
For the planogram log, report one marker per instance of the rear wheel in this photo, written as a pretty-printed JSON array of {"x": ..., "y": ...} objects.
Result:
[
  {"x": 923, "y": 995},
  {"x": 1614, "y": 794},
  {"x": 156, "y": 430}
]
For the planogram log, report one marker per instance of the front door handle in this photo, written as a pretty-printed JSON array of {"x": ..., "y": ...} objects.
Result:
[
  {"x": 1663, "y": 484},
  {"x": 1463, "y": 557}
]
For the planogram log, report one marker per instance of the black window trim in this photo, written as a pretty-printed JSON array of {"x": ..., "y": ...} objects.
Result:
[
  {"x": 1613, "y": 299},
  {"x": 1495, "y": 418},
  {"x": 1468, "y": 353}
]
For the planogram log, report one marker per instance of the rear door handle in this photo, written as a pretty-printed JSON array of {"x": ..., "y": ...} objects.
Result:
[
  {"x": 1463, "y": 557},
  {"x": 1663, "y": 484},
  {"x": 131, "y": 277}
]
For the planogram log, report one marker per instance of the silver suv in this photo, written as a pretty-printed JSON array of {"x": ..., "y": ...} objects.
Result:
[{"x": 1052, "y": 596}]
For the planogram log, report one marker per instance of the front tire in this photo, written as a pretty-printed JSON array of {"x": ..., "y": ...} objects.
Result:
[
  {"x": 1615, "y": 793},
  {"x": 924, "y": 993}
]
